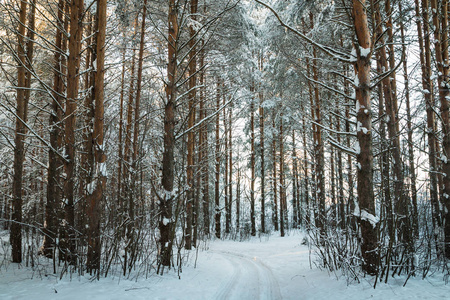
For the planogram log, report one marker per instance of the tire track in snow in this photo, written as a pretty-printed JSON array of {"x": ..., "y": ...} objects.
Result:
[
  {"x": 251, "y": 279},
  {"x": 224, "y": 292}
]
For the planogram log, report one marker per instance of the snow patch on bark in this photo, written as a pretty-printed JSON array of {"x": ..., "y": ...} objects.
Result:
[{"x": 373, "y": 220}]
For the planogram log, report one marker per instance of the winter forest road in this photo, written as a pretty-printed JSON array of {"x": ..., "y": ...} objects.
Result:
[
  {"x": 250, "y": 279},
  {"x": 265, "y": 267}
]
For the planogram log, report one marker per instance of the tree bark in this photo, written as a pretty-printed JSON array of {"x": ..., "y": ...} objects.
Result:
[
  {"x": 217, "y": 158},
  {"x": 73, "y": 63},
  {"x": 262, "y": 151},
  {"x": 190, "y": 143},
  {"x": 283, "y": 212},
  {"x": 54, "y": 161},
  {"x": 365, "y": 156},
  {"x": 166, "y": 223},
  {"x": 412, "y": 167},
  {"x": 423, "y": 33},
  {"x": 319, "y": 152},
  {"x": 274, "y": 177},
  {"x": 99, "y": 167},
  {"x": 230, "y": 166},
  {"x": 252, "y": 166},
  {"x": 225, "y": 177},
  {"x": 442, "y": 61},
  {"x": 19, "y": 150},
  {"x": 204, "y": 148}
]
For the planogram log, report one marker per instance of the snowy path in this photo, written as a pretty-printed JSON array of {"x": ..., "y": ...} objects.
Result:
[
  {"x": 251, "y": 279},
  {"x": 262, "y": 268}
]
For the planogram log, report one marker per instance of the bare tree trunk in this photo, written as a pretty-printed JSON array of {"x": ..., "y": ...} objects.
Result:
[
  {"x": 137, "y": 110},
  {"x": 127, "y": 200},
  {"x": 225, "y": 150},
  {"x": 389, "y": 96},
  {"x": 190, "y": 143},
  {"x": 238, "y": 200},
  {"x": 313, "y": 203},
  {"x": 230, "y": 166},
  {"x": 412, "y": 167},
  {"x": 99, "y": 167},
  {"x": 442, "y": 61},
  {"x": 119, "y": 207},
  {"x": 252, "y": 166},
  {"x": 274, "y": 177},
  {"x": 307, "y": 212},
  {"x": 365, "y": 155},
  {"x": 295, "y": 191},
  {"x": 217, "y": 157},
  {"x": 334, "y": 211},
  {"x": 351, "y": 200},
  {"x": 86, "y": 121},
  {"x": 318, "y": 147},
  {"x": 427, "y": 84},
  {"x": 341, "y": 201},
  {"x": 204, "y": 149},
  {"x": 166, "y": 223},
  {"x": 283, "y": 212},
  {"x": 19, "y": 151},
  {"x": 54, "y": 161},
  {"x": 262, "y": 152},
  {"x": 73, "y": 63}
]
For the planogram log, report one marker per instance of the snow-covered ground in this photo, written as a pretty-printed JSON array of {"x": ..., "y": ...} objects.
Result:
[{"x": 262, "y": 268}]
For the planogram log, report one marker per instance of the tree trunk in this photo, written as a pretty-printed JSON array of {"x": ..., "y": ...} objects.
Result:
[
  {"x": 217, "y": 157},
  {"x": 230, "y": 167},
  {"x": 119, "y": 212},
  {"x": 238, "y": 201},
  {"x": 190, "y": 143},
  {"x": 204, "y": 148},
  {"x": 364, "y": 155},
  {"x": 442, "y": 61},
  {"x": 226, "y": 151},
  {"x": 99, "y": 167},
  {"x": 73, "y": 63},
  {"x": 274, "y": 177},
  {"x": 54, "y": 161},
  {"x": 126, "y": 197},
  {"x": 427, "y": 84},
  {"x": 283, "y": 212},
  {"x": 166, "y": 222},
  {"x": 19, "y": 151},
  {"x": 318, "y": 147},
  {"x": 295, "y": 196},
  {"x": 262, "y": 152},
  {"x": 412, "y": 167},
  {"x": 252, "y": 166}
]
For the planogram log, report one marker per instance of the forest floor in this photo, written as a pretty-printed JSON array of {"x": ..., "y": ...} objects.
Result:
[{"x": 261, "y": 268}]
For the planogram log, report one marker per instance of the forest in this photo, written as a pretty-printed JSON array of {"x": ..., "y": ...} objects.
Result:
[{"x": 134, "y": 133}]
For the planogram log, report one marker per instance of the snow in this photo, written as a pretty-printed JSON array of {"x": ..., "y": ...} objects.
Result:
[
  {"x": 357, "y": 149},
  {"x": 373, "y": 220},
  {"x": 261, "y": 268},
  {"x": 90, "y": 188},
  {"x": 353, "y": 55},
  {"x": 356, "y": 82},
  {"x": 364, "y": 51},
  {"x": 166, "y": 221},
  {"x": 102, "y": 169}
]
